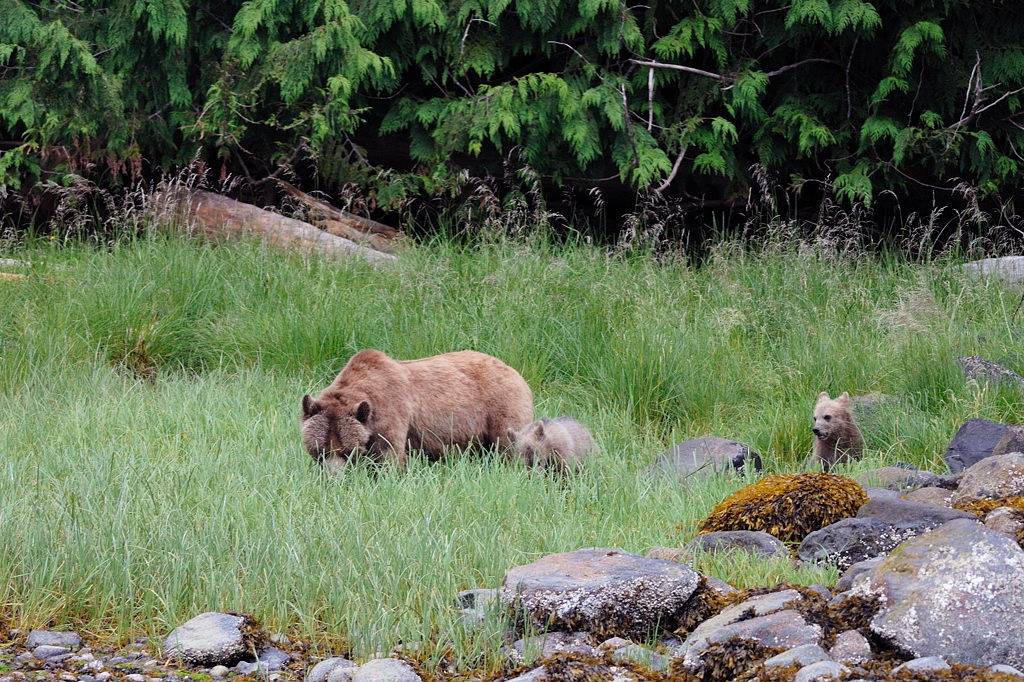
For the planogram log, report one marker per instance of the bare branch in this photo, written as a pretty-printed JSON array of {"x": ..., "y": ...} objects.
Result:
[
  {"x": 790, "y": 67},
  {"x": 675, "y": 169},
  {"x": 680, "y": 67},
  {"x": 650, "y": 99},
  {"x": 978, "y": 112}
]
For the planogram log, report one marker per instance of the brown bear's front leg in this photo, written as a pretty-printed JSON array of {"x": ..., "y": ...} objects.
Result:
[{"x": 393, "y": 447}]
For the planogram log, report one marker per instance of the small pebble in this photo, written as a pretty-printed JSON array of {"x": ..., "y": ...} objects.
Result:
[
  {"x": 103, "y": 677},
  {"x": 219, "y": 671},
  {"x": 135, "y": 677}
]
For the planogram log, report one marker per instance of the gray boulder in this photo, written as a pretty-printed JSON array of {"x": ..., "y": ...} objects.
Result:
[
  {"x": 850, "y": 648},
  {"x": 957, "y": 591},
  {"x": 800, "y": 656},
  {"x": 607, "y": 592},
  {"x": 1009, "y": 269},
  {"x": 1006, "y": 520},
  {"x": 850, "y": 575},
  {"x": 896, "y": 478},
  {"x": 37, "y": 638},
  {"x": 850, "y": 541},
  {"x": 974, "y": 441},
  {"x": 536, "y": 675},
  {"x": 751, "y": 541},
  {"x": 933, "y": 495},
  {"x": 47, "y": 651},
  {"x": 210, "y": 639},
  {"x": 386, "y": 670},
  {"x": 705, "y": 456},
  {"x": 1006, "y": 670},
  {"x": 823, "y": 670},
  {"x": 924, "y": 665},
  {"x": 779, "y": 630},
  {"x": 321, "y": 671},
  {"x": 992, "y": 478},
  {"x": 270, "y": 660},
  {"x": 907, "y": 514},
  {"x": 980, "y": 370},
  {"x": 547, "y": 644},
  {"x": 1012, "y": 441},
  {"x": 476, "y": 605}
]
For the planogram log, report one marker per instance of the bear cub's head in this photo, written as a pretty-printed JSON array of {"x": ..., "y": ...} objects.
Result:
[
  {"x": 333, "y": 431},
  {"x": 831, "y": 416}
]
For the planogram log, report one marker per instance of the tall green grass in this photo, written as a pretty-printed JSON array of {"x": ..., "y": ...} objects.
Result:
[{"x": 150, "y": 466}]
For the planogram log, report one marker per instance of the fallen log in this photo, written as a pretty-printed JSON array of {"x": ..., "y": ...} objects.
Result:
[
  {"x": 346, "y": 230},
  {"x": 217, "y": 216},
  {"x": 322, "y": 211}
]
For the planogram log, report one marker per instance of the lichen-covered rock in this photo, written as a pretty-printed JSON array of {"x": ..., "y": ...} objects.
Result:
[
  {"x": 973, "y": 442},
  {"x": 823, "y": 670},
  {"x": 704, "y": 456},
  {"x": 320, "y": 671},
  {"x": 1009, "y": 269},
  {"x": 751, "y": 541},
  {"x": 957, "y": 591},
  {"x": 933, "y": 495},
  {"x": 386, "y": 670},
  {"x": 850, "y": 541},
  {"x": 905, "y": 513},
  {"x": 923, "y": 665},
  {"x": 68, "y": 640},
  {"x": 788, "y": 507},
  {"x": 800, "y": 656},
  {"x": 211, "y": 639},
  {"x": 604, "y": 591},
  {"x": 995, "y": 477},
  {"x": 1012, "y": 441},
  {"x": 850, "y": 648},
  {"x": 760, "y": 605},
  {"x": 850, "y": 575},
  {"x": 776, "y": 631},
  {"x": 1007, "y": 520},
  {"x": 547, "y": 644}
]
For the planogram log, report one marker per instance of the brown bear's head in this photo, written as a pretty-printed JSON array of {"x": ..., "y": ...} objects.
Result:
[
  {"x": 830, "y": 416},
  {"x": 530, "y": 442},
  {"x": 333, "y": 431}
]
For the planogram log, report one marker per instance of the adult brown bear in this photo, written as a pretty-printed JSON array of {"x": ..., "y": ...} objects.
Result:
[{"x": 383, "y": 408}]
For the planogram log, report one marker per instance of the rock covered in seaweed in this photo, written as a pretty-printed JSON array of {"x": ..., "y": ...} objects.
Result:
[{"x": 788, "y": 507}]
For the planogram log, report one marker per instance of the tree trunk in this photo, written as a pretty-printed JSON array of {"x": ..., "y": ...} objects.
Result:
[{"x": 217, "y": 216}]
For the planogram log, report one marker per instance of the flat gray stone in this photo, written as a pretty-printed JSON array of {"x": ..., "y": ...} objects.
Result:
[
  {"x": 1006, "y": 670},
  {"x": 535, "y": 675},
  {"x": 957, "y": 591},
  {"x": 210, "y": 639},
  {"x": 750, "y": 541},
  {"x": 37, "y": 638},
  {"x": 547, "y": 644},
  {"x": 922, "y": 665},
  {"x": 824, "y": 670},
  {"x": 992, "y": 478},
  {"x": 47, "y": 651},
  {"x": 780, "y": 630},
  {"x": 973, "y": 442},
  {"x": 386, "y": 670},
  {"x": 933, "y": 495},
  {"x": 704, "y": 456},
  {"x": 800, "y": 656},
  {"x": 850, "y": 648},
  {"x": 269, "y": 661},
  {"x": 607, "y": 592},
  {"x": 760, "y": 605},
  {"x": 906, "y": 513}
]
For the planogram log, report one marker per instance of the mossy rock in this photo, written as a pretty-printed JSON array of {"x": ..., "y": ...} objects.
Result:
[{"x": 788, "y": 507}]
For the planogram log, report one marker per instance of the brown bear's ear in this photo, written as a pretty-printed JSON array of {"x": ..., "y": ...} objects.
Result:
[
  {"x": 539, "y": 429},
  {"x": 309, "y": 406},
  {"x": 510, "y": 434},
  {"x": 823, "y": 396},
  {"x": 844, "y": 397},
  {"x": 363, "y": 412}
]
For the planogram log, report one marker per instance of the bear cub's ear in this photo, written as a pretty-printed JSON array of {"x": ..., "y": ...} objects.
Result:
[
  {"x": 823, "y": 396},
  {"x": 363, "y": 412},
  {"x": 309, "y": 406}
]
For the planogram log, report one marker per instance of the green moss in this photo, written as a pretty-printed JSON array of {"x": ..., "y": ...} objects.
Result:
[{"x": 788, "y": 507}]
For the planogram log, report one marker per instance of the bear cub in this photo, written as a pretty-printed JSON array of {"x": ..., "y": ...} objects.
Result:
[
  {"x": 560, "y": 443},
  {"x": 837, "y": 438}
]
